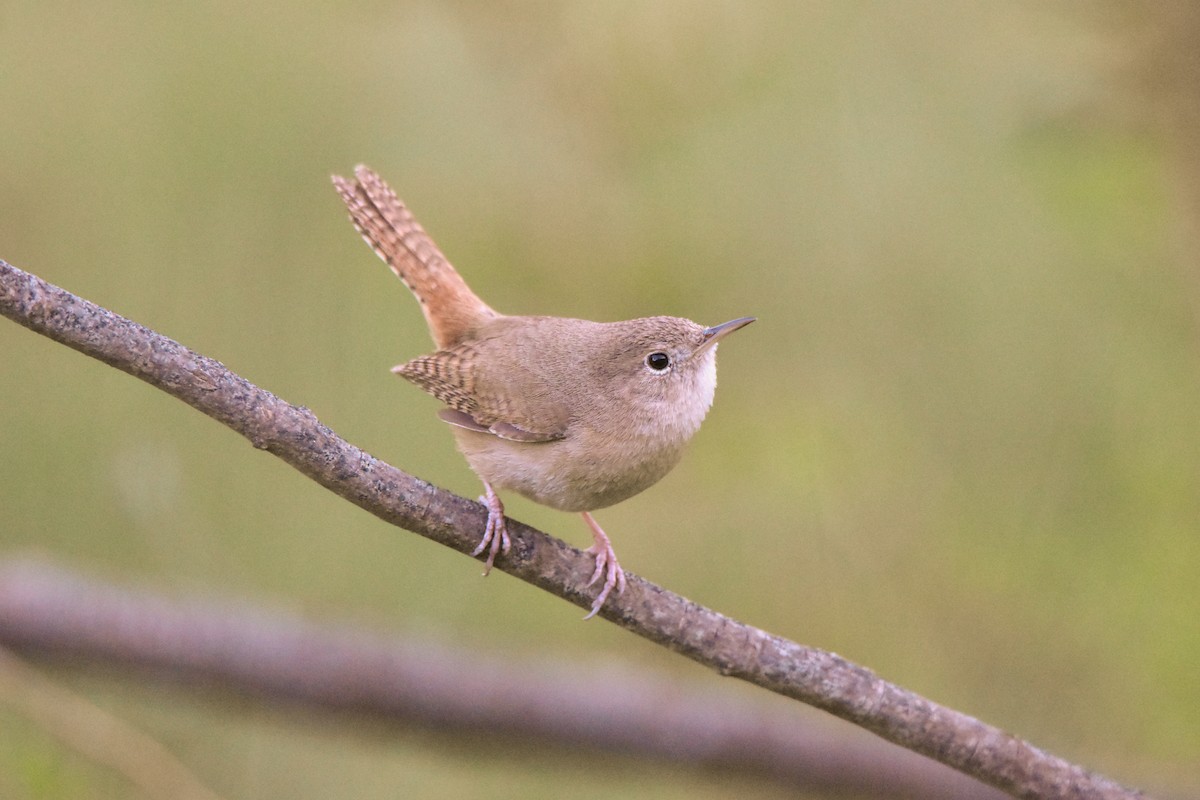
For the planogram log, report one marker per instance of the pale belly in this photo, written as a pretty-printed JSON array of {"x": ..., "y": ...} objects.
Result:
[{"x": 569, "y": 474}]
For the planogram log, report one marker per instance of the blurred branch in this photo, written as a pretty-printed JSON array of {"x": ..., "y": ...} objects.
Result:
[
  {"x": 813, "y": 676},
  {"x": 96, "y": 734},
  {"x": 414, "y": 682}
]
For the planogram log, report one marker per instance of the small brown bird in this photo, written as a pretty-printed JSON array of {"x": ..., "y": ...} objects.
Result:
[{"x": 572, "y": 414}]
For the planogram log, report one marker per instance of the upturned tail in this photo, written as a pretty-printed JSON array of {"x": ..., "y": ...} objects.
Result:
[{"x": 452, "y": 310}]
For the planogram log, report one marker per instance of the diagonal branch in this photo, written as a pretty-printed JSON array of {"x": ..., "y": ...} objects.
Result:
[{"x": 817, "y": 677}]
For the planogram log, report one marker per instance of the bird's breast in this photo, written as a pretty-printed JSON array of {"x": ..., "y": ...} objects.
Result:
[{"x": 582, "y": 472}]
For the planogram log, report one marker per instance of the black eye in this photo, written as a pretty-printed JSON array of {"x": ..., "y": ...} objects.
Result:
[{"x": 658, "y": 361}]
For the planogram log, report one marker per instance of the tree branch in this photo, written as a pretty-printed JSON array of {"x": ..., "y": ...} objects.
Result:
[
  {"x": 414, "y": 682},
  {"x": 817, "y": 677}
]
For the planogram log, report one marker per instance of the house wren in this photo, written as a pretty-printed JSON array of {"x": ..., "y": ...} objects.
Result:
[{"x": 572, "y": 414}]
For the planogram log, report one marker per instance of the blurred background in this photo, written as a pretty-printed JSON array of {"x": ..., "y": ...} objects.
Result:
[{"x": 961, "y": 446}]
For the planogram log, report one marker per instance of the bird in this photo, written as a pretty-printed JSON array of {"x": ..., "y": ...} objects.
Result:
[{"x": 572, "y": 414}]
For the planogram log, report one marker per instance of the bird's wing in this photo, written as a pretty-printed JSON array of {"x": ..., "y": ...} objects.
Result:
[
  {"x": 453, "y": 376},
  {"x": 504, "y": 430}
]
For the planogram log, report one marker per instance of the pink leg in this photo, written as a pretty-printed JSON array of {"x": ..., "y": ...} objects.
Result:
[
  {"x": 606, "y": 565},
  {"x": 496, "y": 533}
]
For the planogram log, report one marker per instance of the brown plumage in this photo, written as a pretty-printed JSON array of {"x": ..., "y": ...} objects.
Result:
[
  {"x": 573, "y": 414},
  {"x": 451, "y": 309}
]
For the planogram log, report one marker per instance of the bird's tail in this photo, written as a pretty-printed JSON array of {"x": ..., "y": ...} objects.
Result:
[{"x": 452, "y": 310}]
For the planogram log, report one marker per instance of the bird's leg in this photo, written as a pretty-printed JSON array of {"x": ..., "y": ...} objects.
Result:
[
  {"x": 495, "y": 535},
  {"x": 606, "y": 565}
]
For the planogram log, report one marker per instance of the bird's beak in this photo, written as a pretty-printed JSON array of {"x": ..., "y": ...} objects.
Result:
[{"x": 717, "y": 332}]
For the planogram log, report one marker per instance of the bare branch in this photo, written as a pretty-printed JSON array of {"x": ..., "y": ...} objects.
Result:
[
  {"x": 411, "y": 681},
  {"x": 817, "y": 677}
]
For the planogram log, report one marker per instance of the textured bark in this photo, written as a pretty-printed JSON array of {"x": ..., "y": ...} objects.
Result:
[{"x": 817, "y": 677}]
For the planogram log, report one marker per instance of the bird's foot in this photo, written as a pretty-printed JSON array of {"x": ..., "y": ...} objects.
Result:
[
  {"x": 606, "y": 565},
  {"x": 495, "y": 535}
]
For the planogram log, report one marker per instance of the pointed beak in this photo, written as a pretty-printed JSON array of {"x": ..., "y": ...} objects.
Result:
[{"x": 717, "y": 332}]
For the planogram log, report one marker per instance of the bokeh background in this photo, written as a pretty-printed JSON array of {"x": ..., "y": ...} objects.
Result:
[{"x": 961, "y": 445}]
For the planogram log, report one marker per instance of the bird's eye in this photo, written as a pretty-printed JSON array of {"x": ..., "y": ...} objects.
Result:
[{"x": 658, "y": 361}]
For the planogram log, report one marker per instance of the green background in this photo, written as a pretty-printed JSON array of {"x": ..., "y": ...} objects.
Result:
[{"x": 961, "y": 446}]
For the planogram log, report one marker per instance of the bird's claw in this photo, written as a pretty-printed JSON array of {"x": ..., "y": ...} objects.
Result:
[
  {"x": 606, "y": 565},
  {"x": 495, "y": 535}
]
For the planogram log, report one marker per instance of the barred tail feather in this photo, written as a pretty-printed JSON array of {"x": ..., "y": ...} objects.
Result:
[{"x": 452, "y": 310}]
